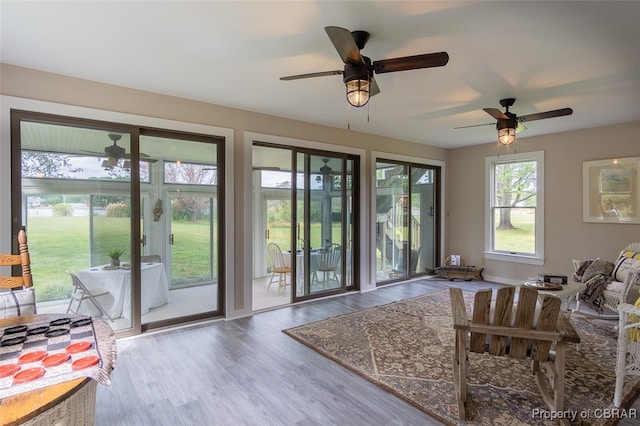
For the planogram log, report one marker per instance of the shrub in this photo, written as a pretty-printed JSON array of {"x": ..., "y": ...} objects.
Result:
[
  {"x": 53, "y": 292},
  {"x": 62, "y": 209},
  {"x": 119, "y": 209}
]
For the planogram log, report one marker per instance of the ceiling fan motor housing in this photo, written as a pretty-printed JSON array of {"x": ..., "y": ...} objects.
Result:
[
  {"x": 357, "y": 71},
  {"x": 511, "y": 122}
]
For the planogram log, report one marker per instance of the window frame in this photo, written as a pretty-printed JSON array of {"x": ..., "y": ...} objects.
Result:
[{"x": 490, "y": 164}]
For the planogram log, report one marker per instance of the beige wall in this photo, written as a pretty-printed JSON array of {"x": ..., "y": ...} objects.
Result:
[
  {"x": 30, "y": 84},
  {"x": 566, "y": 236}
]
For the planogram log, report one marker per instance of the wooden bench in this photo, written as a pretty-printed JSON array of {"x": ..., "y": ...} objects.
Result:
[{"x": 462, "y": 271}]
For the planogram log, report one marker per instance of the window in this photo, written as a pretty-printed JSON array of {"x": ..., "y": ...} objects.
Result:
[{"x": 515, "y": 208}]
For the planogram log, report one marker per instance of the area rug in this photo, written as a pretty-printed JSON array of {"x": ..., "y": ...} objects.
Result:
[{"x": 406, "y": 348}]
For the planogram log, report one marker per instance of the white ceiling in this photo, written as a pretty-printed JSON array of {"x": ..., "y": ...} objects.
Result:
[{"x": 548, "y": 55}]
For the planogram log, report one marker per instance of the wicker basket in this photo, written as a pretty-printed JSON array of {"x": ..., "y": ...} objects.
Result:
[{"x": 77, "y": 410}]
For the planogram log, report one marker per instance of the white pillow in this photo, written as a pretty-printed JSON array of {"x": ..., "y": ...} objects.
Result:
[
  {"x": 623, "y": 266},
  {"x": 15, "y": 303}
]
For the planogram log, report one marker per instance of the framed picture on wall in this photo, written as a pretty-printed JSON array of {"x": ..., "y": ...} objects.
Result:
[{"x": 611, "y": 190}]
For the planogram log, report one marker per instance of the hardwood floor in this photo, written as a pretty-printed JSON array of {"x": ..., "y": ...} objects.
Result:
[{"x": 247, "y": 372}]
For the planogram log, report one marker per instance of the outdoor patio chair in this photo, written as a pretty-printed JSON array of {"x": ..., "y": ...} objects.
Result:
[
  {"x": 278, "y": 266},
  {"x": 151, "y": 258},
  {"x": 18, "y": 295},
  {"x": 522, "y": 329},
  {"x": 328, "y": 265},
  {"x": 81, "y": 293}
]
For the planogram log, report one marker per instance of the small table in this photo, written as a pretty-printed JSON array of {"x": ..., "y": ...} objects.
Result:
[
  {"x": 67, "y": 402},
  {"x": 74, "y": 399},
  {"x": 155, "y": 288},
  {"x": 567, "y": 294}
]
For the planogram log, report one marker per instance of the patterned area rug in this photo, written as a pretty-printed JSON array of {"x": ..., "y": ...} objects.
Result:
[{"x": 406, "y": 348}]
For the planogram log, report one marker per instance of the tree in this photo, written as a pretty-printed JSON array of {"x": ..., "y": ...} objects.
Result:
[
  {"x": 516, "y": 185},
  {"x": 45, "y": 164},
  {"x": 190, "y": 174}
]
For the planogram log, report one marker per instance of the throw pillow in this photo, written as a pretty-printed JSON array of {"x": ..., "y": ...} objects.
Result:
[
  {"x": 15, "y": 303},
  {"x": 625, "y": 262}
]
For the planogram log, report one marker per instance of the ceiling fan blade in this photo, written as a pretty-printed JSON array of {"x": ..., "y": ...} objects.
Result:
[
  {"x": 474, "y": 125},
  {"x": 93, "y": 152},
  {"x": 427, "y": 60},
  {"x": 521, "y": 128},
  {"x": 313, "y": 74},
  {"x": 496, "y": 113},
  {"x": 373, "y": 87},
  {"x": 143, "y": 157},
  {"x": 547, "y": 114},
  {"x": 345, "y": 45},
  {"x": 267, "y": 168}
]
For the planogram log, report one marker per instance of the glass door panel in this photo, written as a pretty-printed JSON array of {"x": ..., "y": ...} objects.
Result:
[
  {"x": 392, "y": 230},
  {"x": 406, "y": 224},
  {"x": 276, "y": 238},
  {"x": 180, "y": 226},
  {"x": 423, "y": 220},
  {"x": 320, "y": 205},
  {"x": 76, "y": 206}
]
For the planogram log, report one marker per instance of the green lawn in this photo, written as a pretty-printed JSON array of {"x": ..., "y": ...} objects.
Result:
[
  {"x": 61, "y": 243},
  {"x": 521, "y": 239}
]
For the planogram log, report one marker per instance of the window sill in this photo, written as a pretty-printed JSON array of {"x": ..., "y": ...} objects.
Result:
[{"x": 515, "y": 258}]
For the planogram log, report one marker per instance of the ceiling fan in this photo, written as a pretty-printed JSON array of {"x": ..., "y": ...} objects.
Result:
[
  {"x": 358, "y": 69},
  {"x": 115, "y": 152},
  {"x": 509, "y": 124},
  {"x": 325, "y": 169}
]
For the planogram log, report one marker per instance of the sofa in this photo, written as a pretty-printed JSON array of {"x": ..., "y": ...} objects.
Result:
[{"x": 606, "y": 283}]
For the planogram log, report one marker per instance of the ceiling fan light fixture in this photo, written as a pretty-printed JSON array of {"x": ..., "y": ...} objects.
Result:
[
  {"x": 507, "y": 129},
  {"x": 109, "y": 163},
  {"x": 507, "y": 135},
  {"x": 358, "y": 92}
]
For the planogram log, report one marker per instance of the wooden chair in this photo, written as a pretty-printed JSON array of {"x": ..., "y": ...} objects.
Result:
[
  {"x": 518, "y": 336},
  {"x": 328, "y": 265},
  {"x": 81, "y": 293},
  {"x": 278, "y": 266},
  {"x": 25, "y": 280}
]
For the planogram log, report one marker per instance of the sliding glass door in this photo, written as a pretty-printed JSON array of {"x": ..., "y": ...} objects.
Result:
[
  {"x": 305, "y": 205},
  {"x": 407, "y": 238},
  {"x": 134, "y": 211}
]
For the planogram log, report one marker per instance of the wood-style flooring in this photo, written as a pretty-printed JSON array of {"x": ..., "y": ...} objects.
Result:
[{"x": 247, "y": 372}]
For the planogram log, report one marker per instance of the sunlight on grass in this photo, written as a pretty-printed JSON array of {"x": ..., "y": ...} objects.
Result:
[{"x": 521, "y": 239}]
